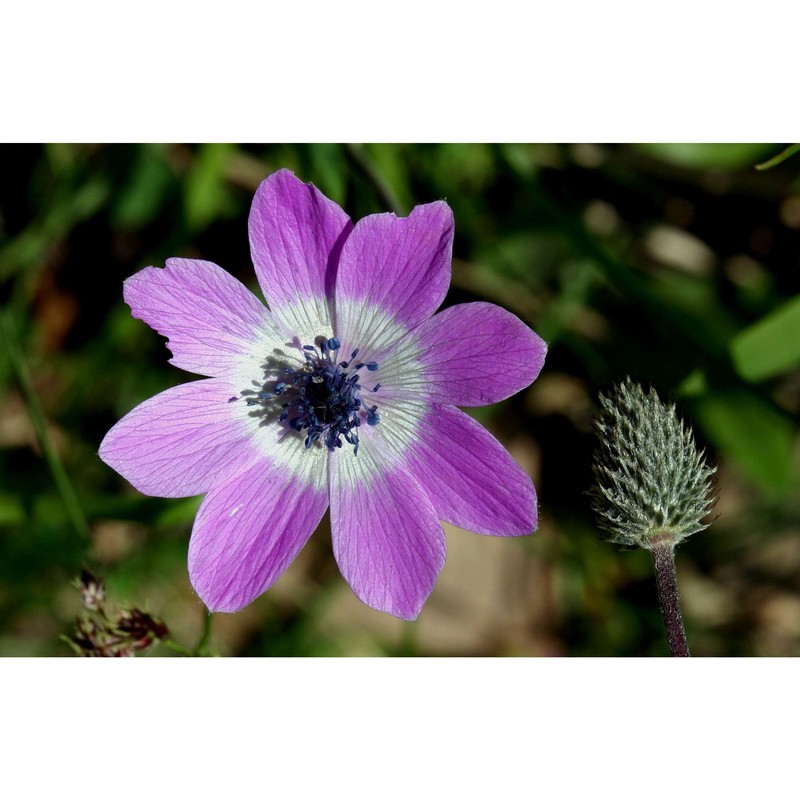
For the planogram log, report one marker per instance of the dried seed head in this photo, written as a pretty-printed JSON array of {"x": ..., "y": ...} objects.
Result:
[
  {"x": 92, "y": 589},
  {"x": 100, "y": 631},
  {"x": 652, "y": 485}
]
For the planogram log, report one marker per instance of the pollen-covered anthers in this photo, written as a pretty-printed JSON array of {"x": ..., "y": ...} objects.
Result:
[{"x": 323, "y": 397}]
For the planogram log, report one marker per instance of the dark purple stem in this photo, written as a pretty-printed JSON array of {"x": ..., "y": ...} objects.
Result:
[{"x": 664, "y": 558}]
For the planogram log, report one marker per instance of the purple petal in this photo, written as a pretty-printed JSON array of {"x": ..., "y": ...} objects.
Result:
[
  {"x": 387, "y": 540},
  {"x": 248, "y": 531},
  {"x": 393, "y": 270},
  {"x": 214, "y": 323},
  {"x": 469, "y": 476},
  {"x": 296, "y": 235},
  {"x": 467, "y": 355},
  {"x": 183, "y": 441}
]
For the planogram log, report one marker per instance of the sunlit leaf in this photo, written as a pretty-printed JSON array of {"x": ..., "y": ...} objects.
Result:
[
  {"x": 753, "y": 434},
  {"x": 708, "y": 156},
  {"x": 770, "y": 346}
]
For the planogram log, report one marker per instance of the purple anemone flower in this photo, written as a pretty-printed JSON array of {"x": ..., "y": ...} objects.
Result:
[{"x": 343, "y": 395}]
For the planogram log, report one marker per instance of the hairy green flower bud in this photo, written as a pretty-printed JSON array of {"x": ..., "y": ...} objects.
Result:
[{"x": 652, "y": 486}]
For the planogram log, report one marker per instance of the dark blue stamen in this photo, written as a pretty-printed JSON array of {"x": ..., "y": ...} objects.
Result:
[
  {"x": 259, "y": 398},
  {"x": 323, "y": 397}
]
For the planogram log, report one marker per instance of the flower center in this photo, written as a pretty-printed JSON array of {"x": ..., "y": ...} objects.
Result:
[{"x": 323, "y": 396}]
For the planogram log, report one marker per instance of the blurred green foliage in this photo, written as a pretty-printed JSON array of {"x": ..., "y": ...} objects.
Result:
[
  {"x": 770, "y": 346},
  {"x": 675, "y": 264}
]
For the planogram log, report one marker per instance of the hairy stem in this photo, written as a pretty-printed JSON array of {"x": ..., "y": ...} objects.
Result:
[{"x": 666, "y": 579}]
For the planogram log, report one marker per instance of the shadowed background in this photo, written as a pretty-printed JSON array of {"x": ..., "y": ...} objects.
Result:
[{"x": 676, "y": 264}]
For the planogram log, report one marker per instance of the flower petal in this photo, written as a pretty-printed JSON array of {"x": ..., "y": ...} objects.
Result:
[
  {"x": 296, "y": 235},
  {"x": 469, "y": 476},
  {"x": 472, "y": 354},
  {"x": 249, "y": 530},
  {"x": 183, "y": 441},
  {"x": 215, "y": 324},
  {"x": 393, "y": 273},
  {"x": 387, "y": 540}
]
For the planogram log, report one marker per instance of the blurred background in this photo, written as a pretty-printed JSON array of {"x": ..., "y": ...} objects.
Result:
[{"x": 675, "y": 264}]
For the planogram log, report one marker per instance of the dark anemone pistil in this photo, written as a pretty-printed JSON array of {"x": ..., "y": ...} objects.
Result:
[{"x": 323, "y": 396}]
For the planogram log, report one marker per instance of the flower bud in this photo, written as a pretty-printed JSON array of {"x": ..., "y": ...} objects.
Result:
[{"x": 652, "y": 485}]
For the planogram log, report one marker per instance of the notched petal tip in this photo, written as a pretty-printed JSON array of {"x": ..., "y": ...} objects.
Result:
[
  {"x": 283, "y": 177},
  {"x": 439, "y": 208},
  {"x": 436, "y": 208},
  {"x": 437, "y": 216},
  {"x": 212, "y": 320},
  {"x": 400, "y": 266}
]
